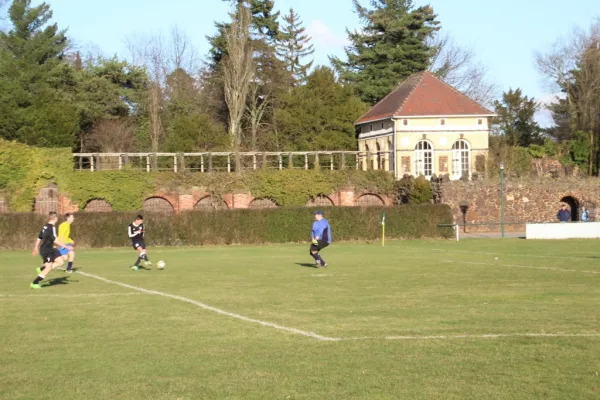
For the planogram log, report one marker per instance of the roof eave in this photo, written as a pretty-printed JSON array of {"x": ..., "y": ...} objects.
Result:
[{"x": 444, "y": 116}]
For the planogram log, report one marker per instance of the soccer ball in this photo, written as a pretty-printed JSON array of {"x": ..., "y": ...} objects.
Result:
[{"x": 161, "y": 264}]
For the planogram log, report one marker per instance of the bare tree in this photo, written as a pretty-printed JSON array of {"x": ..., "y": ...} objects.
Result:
[
  {"x": 238, "y": 73},
  {"x": 255, "y": 111},
  {"x": 572, "y": 66},
  {"x": 111, "y": 136},
  {"x": 161, "y": 57},
  {"x": 458, "y": 67}
]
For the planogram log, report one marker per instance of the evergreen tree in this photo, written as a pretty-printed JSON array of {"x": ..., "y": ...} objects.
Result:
[
  {"x": 516, "y": 120},
  {"x": 391, "y": 46},
  {"x": 265, "y": 27},
  {"x": 106, "y": 89},
  {"x": 317, "y": 116},
  {"x": 34, "y": 79},
  {"x": 293, "y": 47}
]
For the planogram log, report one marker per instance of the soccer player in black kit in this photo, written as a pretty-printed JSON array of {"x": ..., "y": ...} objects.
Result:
[
  {"x": 136, "y": 233},
  {"x": 45, "y": 247}
]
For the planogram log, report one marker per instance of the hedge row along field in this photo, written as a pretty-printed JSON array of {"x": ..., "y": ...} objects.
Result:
[
  {"x": 25, "y": 170},
  {"x": 281, "y": 225}
]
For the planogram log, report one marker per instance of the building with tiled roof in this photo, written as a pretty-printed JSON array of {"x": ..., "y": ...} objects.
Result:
[{"x": 425, "y": 127}]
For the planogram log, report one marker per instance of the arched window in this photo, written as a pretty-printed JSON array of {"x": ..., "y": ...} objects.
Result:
[
  {"x": 461, "y": 158},
  {"x": 424, "y": 159}
]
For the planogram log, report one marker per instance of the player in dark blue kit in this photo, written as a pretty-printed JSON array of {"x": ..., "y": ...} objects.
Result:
[
  {"x": 321, "y": 238},
  {"x": 136, "y": 233}
]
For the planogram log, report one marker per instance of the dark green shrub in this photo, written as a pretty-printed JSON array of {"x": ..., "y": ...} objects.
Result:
[{"x": 281, "y": 225}]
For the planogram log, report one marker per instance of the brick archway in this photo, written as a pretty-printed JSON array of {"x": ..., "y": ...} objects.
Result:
[
  {"x": 98, "y": 205},
  {"x": 369, "y": 199},
  {"x": 208, "y": 203},
  {"x": 320, "y": 201},
  {"x": 158, "y": 204},
  {"x": 263, "y": 203}
]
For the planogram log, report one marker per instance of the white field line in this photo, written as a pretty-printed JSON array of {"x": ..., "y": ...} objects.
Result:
[
  {"x": 71, "y": 295},
  {"x": 214, "y": 309},
  {"x": 493, "y": 264},
  {"x": 481, "y": 336},
  {"x": 333, "y": 339}
]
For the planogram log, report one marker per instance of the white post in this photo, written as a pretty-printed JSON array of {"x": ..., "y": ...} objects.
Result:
[
  {"x": 120, "y": 162},
  {"x": 92, "y": 162},
  {"x": 457, "y": 228},
  {"x": 254, "y": 161},
  {"x": 358, "y": 156},
  {"x": 306, "y": 161},
  {"x": 202, "y": 163},
  {"x": 228, "y": 162},
  {"x": 175, "y": 163},
  {"x": 280, "y": 162},
  {"x": 147, "y": 163},
  {"x": 332, "y": 162}
]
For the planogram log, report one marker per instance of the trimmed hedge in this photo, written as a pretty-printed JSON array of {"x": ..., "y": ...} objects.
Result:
[{"x": 282, "y": 225}]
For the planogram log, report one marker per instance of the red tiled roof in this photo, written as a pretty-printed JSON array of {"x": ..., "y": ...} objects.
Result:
[{"x": 423, "y": 94}]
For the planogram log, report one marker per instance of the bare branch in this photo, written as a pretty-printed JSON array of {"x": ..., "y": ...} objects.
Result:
[
  {"x": 160, "y": 58},
  {"x": 458, "y": 67},
  {"x": 238, "y": 70}
]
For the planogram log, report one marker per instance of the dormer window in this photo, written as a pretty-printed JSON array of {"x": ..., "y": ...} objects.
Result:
[
  {"x": 370, "y": 128},
  {"x": 443, "y": 121},
  {"x": 479, "y": 121},
  {"x": 405, "y": 122},
  {"x": 382, "y": 126}
]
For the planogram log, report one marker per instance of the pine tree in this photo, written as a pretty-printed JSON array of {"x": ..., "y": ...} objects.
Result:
[
  {"x": 293, "y": 47},
  {"x": 317, "y": 116},
  {"x": 391, "y": 46},
  {"x": 35, "y": 79},
  {"x": 516, "y": 119}
]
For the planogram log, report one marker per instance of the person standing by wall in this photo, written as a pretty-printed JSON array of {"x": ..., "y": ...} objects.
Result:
[
  {"x": 564, "y": 215},
  {"x": 585, "y": 215}
]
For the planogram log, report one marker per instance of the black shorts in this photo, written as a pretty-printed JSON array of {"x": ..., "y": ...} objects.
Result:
[
  {"x": 50, "y": 256},
  {"x": 318, "y": 247},
  {"x": 139, "y": 244}
]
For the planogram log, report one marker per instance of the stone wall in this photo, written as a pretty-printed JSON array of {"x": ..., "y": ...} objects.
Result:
[{"x": 526, "y": 200}]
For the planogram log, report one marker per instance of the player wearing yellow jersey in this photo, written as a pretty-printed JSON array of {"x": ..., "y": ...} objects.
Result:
[{"x": 64, "y": 235}]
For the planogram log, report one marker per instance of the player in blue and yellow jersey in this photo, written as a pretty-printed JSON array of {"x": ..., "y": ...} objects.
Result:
[
  {"x": 321, "y": 238},
  {"x": 64, "y": 235}
]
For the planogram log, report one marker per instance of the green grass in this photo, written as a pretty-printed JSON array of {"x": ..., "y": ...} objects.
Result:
[{"x": 82, "y": 338}]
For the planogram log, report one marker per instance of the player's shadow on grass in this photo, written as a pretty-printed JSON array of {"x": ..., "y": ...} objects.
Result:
[
  {"x": 63, "y": 280},
  {"x": 306, "y": 265}
]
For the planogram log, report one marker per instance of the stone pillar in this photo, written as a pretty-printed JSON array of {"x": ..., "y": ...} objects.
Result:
[
  {"x": 347, "y": 197},
  {"x": 241, "y": 199},
  {"x": 186, "y": 202},
  {"x": 66, "y": 206}
]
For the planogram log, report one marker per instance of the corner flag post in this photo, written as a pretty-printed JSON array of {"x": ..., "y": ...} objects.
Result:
[{"x": 383, "y": 230}]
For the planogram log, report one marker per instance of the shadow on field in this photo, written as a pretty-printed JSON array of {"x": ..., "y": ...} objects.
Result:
[
  {"x": 63, "y": 280},
  {"x": 306, "y": 265}
]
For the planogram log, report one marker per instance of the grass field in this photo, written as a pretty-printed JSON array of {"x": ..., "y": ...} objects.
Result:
[{"x": 413, "y": 320}]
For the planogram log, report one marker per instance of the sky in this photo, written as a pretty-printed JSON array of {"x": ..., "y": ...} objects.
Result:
[{"x": 504, "y": 34}]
